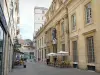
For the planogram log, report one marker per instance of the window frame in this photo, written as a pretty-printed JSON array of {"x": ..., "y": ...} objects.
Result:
[
  {"x": 62, "y": 27},
  {"x": 85, "y": 10},
  {"x": 45, "y": 52},
  {"x": 76, "y": 51},
  {"x": 63, "y": 47},
  {"x": 92, "y": 60},
  {"x": 42, "y": 41},
  {"x": 72, "y": 22},
  {"x": 42, "y": 53}
]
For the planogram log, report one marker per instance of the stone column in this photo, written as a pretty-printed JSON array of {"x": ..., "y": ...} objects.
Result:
[
  {"x": 58, "y": 36},
  {"x": 66, "y": 33}
]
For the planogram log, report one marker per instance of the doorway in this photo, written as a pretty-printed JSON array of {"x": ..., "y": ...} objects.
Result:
[{"x": 75, "y": 54}]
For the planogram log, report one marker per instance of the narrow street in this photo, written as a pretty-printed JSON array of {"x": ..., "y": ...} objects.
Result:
[{"x": 42, "y": 69}]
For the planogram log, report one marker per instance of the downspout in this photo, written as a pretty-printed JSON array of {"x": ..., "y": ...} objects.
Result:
[{"x": 68, "y": 36}]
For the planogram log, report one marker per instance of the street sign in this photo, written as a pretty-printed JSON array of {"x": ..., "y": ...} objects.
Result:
[{"x": 18, "y": 45}]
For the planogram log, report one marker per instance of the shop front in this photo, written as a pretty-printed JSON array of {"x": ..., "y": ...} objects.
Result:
[
  {"x": 3, "y": 32},
  {"x": 2, "y": 39}
]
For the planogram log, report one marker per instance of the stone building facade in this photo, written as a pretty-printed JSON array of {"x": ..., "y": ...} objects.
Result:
[
  {"x": 77, "y": 31},
  {"x": 40, "y": 46},
  {"x": 84, "y": 33},
  {"x": 9, "y": 17},
  {"x": 39, "y": 20}
]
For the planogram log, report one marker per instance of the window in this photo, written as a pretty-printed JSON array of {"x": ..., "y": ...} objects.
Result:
[
  {"x": 90, "y": 50},
  {"x": 42, "y": 54},
  {"x": 62, "y": 27},
  {"x": 73, "y": 21},
  {"x": 55, "y": 48},
  {"x": 38, "y": 53},
  {"x": 42, "y": 41},
  {"x": 53, "y": 6},
  {"x": 48, "y": 50},
  {"x": 36, "y": 44},
  {"x": 45, "y": 53},
  {"x": 63, "y": 47},
  {"x": 11, "y": 12},
  {"x": 75, "y": 57},
  {"x": 88, "y": 11}
]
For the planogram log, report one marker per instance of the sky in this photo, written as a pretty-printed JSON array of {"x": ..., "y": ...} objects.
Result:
[{"x": 26, "y": 12}]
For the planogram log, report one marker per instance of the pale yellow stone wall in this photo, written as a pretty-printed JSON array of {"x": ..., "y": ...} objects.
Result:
[
  {"x": 55, "y": 22},
  {"x": 80, "y": 34},
  {"x": 96, "y": 19},
  {"x": 42, "y": 47},
  {"x": 83, "y": 30}
]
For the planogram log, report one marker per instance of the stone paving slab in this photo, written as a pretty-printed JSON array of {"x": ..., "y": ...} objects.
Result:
[{"x": 42, "y": 69}]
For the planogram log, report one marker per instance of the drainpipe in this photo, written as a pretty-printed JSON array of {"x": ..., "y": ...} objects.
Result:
[{"x": 68, "y": 36}]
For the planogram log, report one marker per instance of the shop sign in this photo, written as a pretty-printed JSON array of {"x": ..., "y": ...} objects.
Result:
[{"x": 17, "y": 45}]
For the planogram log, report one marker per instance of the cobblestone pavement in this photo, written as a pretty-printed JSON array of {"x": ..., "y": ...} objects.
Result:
[{"x": 41, "y": 69}]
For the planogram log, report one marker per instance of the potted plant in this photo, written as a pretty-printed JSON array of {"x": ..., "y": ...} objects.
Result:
[{"x": 68, "y": 64}]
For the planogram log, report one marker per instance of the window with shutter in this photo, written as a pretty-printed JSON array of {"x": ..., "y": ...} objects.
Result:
[
  {"x": 88, "y": 11},
  {"x": 73, "y": 21},
  {"x": 90, "y": 50},
  {"x": 75, "y": 56}
]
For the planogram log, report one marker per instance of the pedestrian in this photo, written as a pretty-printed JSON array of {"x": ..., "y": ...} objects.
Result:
[
  {"x": 24, "y": 63},
  {"x": 55, "y": 60},
  {"x": 47, "y": 60}
]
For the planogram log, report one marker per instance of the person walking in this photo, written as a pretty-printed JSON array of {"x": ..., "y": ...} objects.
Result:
[
  {"x": 55, "y": 60},
  {"x": 47, "y": 61},
  {"x": 24, "y": 63}
]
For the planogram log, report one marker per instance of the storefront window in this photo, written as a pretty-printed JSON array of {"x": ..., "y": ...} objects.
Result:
[{"x": 1, "y": 49}]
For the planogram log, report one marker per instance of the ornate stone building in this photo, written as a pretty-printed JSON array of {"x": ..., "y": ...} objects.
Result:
[
  {"x": 40, "y": 45},
  {"x": 57, "y": 19},
  {"x": 55, "y": 28},
  {"x": 77, "y": 31},
  {"x": 84, "y": 34}
]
